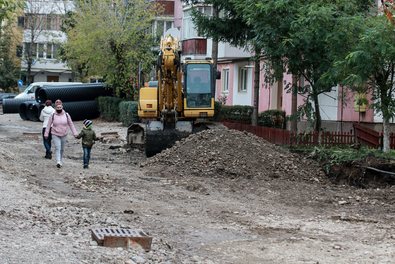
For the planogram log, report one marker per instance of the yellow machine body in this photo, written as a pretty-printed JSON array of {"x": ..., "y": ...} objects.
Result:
[
  {"x": 183, "y": 94},
  {"x": 148, "y": 103}
]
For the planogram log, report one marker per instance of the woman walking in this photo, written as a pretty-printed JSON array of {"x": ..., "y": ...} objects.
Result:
[
  {"x": 60, "y": 120},
  {"x": 44, "y": 116}
]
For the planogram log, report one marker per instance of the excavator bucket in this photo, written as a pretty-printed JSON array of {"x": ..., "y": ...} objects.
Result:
[{"x": 159, "y": 136}]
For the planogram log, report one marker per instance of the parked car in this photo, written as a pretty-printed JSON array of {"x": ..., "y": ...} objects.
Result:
[
  {"x": 6, "y": 96},
  {"x": 29, "y": 92}
]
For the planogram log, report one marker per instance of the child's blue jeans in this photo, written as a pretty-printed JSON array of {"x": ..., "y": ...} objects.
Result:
[{"x": 87, "y": 155}]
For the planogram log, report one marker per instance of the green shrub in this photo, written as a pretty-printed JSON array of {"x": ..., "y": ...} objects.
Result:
[
  {"x": 129, "y": 112},
  {"x": 217, "y": 110},
  {"x": 109, "y": 107},
  {"x": 272, "y": 118},
  {"x": 235, "y": 113}
]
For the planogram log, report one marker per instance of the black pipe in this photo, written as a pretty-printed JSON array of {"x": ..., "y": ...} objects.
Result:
[
  {"x": 36, "y": 93},
  {"x": 72, "y": 93},
  {"x": 81, "y": 110},
  {"x": 23, "y": 109},
  {"x": 32, "y": 111},
  {"x": 11, "y": 106}
]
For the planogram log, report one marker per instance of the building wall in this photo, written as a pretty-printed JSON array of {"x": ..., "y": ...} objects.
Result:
[
  {"x": 43, "y": 68},
  {"x": 220, "y": 83},
  {"x": 178, "y": 14},
  {"x": 349, "y": 113},
  {"x": 271, "y": 96}
]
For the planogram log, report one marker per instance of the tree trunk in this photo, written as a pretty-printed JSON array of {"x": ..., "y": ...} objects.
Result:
[
  {"x": 255, "y": 112},
  {"x": 294, "y": 107},
  {"x": 386, "y": 135},
  {"x": 30, "y": 58},
  {"x": 318, "y": 120},
  {"x": 214, "y": 52}
]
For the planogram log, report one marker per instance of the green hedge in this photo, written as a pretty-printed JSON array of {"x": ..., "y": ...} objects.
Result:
[
  {"x": 129, "y": 112},
  {"x": 272, "y": 118},
  {"x": 109, "y": 107},
  {"x": 235, "y": 113},
  {"x": 118, "y": 109}
]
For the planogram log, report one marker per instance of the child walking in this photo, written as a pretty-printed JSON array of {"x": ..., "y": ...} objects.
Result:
[{"x": 88, "y": 139}]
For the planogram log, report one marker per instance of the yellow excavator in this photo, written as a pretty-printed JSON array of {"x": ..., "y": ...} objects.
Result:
[{"x": 184, "y": 93}]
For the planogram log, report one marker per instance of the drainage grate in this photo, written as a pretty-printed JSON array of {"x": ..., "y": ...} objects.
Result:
[{"x": 116, "y": 237}]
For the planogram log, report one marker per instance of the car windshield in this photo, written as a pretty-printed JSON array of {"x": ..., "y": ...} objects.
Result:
[{"x": 28, "y": 88}]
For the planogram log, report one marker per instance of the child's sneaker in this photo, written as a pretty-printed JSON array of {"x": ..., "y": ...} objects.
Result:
[{"x": 86, "y": 166}]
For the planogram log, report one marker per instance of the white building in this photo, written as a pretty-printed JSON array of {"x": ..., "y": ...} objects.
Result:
[{"x": 41, "y": 24}]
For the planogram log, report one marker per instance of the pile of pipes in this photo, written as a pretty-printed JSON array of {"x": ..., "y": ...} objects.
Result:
[{"x": 78, "y": 100}]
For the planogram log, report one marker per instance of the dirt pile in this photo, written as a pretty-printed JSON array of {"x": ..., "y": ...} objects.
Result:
[{"x": 232, "y": 154}]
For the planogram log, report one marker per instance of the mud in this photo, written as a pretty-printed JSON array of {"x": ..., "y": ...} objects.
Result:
[{"x": 210, "y": 199}]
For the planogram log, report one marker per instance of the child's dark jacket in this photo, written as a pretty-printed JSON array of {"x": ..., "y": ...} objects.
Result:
[{"x": 88, "y": 137}]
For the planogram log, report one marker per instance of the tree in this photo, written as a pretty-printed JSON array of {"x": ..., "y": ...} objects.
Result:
[
  {"x": 230, "y": 27},
  {"x": 110, "y": 38},
  {"x": 388, "y": 8},
  {"x": 7, "y": 7},
  {"x": 296, "y": 37},
  {"x": 9, "y": 70},
  {"x": 370, "y": 67}
]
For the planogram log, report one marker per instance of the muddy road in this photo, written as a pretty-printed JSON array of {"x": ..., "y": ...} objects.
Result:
[{"x": 278, "y": 212}]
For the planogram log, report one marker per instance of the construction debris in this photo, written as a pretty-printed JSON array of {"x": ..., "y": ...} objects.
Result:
[{"x": 233, "y": 154}]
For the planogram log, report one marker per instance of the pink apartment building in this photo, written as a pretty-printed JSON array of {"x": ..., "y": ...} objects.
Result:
[{"x": 237, "y": 77}]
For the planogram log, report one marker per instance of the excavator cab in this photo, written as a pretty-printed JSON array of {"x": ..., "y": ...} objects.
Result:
[{"x": 199, "y": 88}]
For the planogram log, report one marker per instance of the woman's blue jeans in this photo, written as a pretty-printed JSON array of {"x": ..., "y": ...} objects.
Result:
[
  {"x": 87, "y": 155},
  {"x": 47, "y": 142}
]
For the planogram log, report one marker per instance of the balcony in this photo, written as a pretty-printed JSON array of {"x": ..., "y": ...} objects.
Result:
[
  {"x": 194, "y": 47},
  {"x": 167, "y": 7}
]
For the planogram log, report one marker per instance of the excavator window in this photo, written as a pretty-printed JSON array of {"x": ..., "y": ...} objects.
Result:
[{"x": 198, "y": 85}]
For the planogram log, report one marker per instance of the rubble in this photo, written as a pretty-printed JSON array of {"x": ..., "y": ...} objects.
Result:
[
  {"x": 275, "y": 203},
  {"x": 234, "y": 154}
]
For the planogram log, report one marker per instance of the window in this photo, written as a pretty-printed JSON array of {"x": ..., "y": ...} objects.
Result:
[
  {"x": 37, "y": 23},
  {"x": 21, "y": 22},
  {"x": 34, "y": 50},
  {"x": 41, "y": 50},
  {"x": 49, "y": 22},
  {"x": 225, "y": 83},
  {"x": 189, "y": 29},
  {"x": 55, "y": 53},
  {"x": 19, "y": 51},
  {"x": 169, "y": 24},
  {"x": 161, "y": 26},
  {"x": 27, "y": 50},
  {"x": 94, "y": 80},
  {"x": 198, "y": 85},
  {"x": 52, "y": 51},
  {"x": 49, "y": 51},
  {"x": 52, "y": 22},
  {"x": 243, "y": 79},
  {"x": 31, "y": 49}
]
